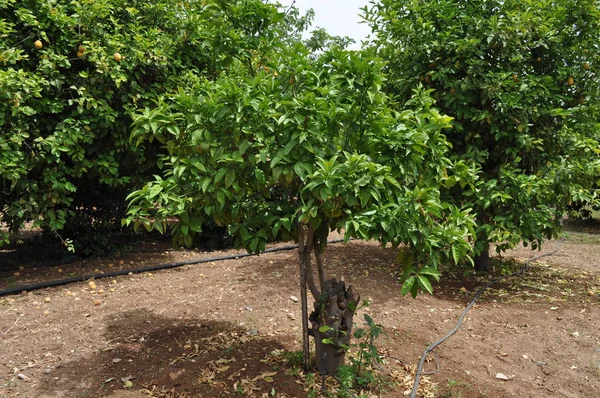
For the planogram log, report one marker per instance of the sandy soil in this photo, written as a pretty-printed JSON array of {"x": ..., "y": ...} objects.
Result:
[{"x": 230, "y": 328}]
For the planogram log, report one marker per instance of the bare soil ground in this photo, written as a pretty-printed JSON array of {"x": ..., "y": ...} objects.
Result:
[{"x": 232, "y": 328}]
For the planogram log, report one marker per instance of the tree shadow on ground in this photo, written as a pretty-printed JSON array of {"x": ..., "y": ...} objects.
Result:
[{"x": 166, "y": 357}]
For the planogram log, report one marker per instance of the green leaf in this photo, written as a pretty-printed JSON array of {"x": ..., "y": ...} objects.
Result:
[
  {"x": 456, "y": 254},
  {"x": 220, "y": 174},
  {"x": 425, "y": 284},
  {"x": 408, "y": 285},
  {"x": 359, "y": 333},
  {"x": 325, "y": 328},
  {"x": 229, "y": 178}
]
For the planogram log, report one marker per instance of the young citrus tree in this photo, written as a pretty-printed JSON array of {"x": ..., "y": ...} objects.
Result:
[
  {"x": 292, "y": 147},
  {"x": 521, "y": 80},
  {"x": 72, "y": 74}
]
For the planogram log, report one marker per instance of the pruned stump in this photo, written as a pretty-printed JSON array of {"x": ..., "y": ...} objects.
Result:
[{"x": 335, "y": 308}]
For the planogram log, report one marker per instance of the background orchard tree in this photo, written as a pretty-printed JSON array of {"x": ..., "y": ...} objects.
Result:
[
  {"x": 521, "y": 80},
  {"x": 72, "y": 74}
]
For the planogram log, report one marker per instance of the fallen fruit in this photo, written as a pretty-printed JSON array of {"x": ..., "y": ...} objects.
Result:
[{"x": 92, "y": 285}]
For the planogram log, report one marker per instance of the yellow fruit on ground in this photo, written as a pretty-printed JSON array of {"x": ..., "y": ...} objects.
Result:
[
  {"x": 570, "y": 81},
  {"x": 38, "y": 44},
  {"x": 118, "y": 57}
]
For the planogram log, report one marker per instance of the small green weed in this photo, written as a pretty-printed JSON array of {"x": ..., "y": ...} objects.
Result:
[
  {"x": 360, "y": 372},
  {"x": 294, "y": 359},
  {"x": 453, "y": 389}
]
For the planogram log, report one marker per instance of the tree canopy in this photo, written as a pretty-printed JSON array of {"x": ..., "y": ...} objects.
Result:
[
  {"x": 521, "y": 81},
  {"x": 72, "y": 74}
]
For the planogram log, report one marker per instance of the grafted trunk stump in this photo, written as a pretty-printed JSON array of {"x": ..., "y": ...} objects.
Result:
[{"x": 334, "y": 308}]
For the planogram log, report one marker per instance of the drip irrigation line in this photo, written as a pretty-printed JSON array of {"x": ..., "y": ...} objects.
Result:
[
  {"x": 461, "y": 318},
  {"x": 70, "y": 259},
  {"x": 61, "y": 282}
]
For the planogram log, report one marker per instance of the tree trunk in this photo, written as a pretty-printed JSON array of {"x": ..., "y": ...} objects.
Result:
[
  {"x": 303, "y": 248},
  {"x": 335, "y": 308},
  {"x": 482, "y": 260}
]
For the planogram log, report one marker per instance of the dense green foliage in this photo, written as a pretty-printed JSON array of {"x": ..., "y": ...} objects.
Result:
[
  {"x": 72, "y": 74},
  {"x": 301, "y": 141},
  {"x": 521, "y": 80}
]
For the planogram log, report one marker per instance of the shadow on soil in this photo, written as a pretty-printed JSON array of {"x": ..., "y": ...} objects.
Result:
[{"x": 165, "y": 357}]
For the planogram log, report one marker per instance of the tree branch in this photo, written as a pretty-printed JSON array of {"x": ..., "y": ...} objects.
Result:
[
  {"x": 310, "y": 277},
  {"x": 303, "y": 296},
  {"x": 320, "y": 265}
]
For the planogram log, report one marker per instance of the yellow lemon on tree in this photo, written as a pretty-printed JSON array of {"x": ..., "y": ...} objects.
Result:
[
  {"x": 117, "y": 57},
  {"x": 38, "y": 44}
]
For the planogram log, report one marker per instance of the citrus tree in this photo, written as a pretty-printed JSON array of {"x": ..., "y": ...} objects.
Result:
[
  {"x": 72, "y": 74},
  {"x": 521, "y": 79},
  {"x": 295, "y": 145}
]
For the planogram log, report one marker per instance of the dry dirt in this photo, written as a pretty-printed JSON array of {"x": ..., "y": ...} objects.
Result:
[{"x": 231, "y": 328}]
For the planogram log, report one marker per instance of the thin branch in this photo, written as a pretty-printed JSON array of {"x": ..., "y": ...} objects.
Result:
[
  {"x": 290, "y": 8},
  {"x": 310, "y": 277},
  {"x": 320, "y": 265},
  {"x": 303, "y": 296}
]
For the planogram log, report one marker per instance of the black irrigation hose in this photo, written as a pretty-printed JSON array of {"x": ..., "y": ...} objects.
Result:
[
  {"x": 461, "y": 318},
  {"x": 61, "y": 282},
  {"x": 73, "y": 258}
]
